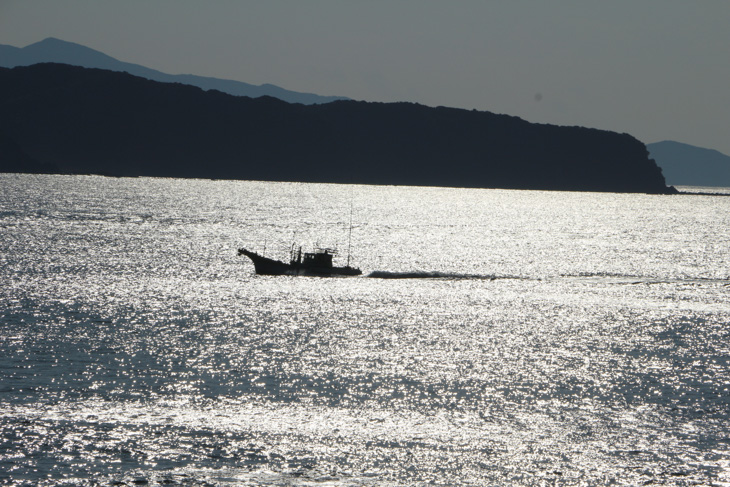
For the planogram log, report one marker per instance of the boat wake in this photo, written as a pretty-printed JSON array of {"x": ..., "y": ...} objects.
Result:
[
  {"x": 583, "y": 277},
  {"x": 629, "y": 279},
  {"x": 430, "y": 275}
]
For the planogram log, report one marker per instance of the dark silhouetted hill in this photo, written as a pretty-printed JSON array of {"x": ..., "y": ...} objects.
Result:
[
  {"x": 687, "y": 165},
  {"x": 14, "y": 159},
  {"x": 97, "y": 121},
  {"x": 53, "y": 50}
]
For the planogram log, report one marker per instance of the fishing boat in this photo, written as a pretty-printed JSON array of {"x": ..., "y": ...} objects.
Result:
[{"x": 316, "y": 263}]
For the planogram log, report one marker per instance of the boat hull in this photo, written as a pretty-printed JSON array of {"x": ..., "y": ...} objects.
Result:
[{"x": 271, "y": 267}]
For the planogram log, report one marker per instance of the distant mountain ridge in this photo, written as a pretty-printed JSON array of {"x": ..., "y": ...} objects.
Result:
[
  {"x": 93, "y": 121},
  {"x": 687, "y": 165},
  {"x": 52, "y": 50}
]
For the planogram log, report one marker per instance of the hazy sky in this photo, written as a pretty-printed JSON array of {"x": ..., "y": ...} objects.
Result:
[{"x": 657, "y": 69}]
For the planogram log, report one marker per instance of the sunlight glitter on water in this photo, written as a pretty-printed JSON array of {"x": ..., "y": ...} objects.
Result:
[{"x": 572, "y": 338}]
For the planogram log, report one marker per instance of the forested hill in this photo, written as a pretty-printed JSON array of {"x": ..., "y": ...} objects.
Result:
[{"x": 94, "y": 121}]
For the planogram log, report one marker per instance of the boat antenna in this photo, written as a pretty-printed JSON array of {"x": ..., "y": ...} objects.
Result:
[{"x": 349, "y": 237}]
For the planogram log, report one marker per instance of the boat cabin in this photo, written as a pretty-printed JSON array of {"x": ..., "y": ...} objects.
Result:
[{"x": 318, "y": 258}]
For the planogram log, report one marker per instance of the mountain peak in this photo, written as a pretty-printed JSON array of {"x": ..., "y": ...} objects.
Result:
[
  {"x": 53, "y": 50},
  {"x": 53, "y": 43},
  {"x": 53, "y": 40}
]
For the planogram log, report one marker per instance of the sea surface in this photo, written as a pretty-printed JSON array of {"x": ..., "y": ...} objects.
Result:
[{"x": 495, "y": 338}]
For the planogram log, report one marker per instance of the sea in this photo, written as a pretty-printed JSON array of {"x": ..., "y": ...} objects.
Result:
[{"x": 495, "y": 337}]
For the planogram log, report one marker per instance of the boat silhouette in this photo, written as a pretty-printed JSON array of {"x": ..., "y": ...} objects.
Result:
[{"x": 316, "y": 263}]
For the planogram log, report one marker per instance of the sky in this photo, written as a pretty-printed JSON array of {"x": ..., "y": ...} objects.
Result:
[{"x": 656, "y": 69}]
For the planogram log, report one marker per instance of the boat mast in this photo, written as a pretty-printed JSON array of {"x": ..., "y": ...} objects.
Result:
[{"x": 349, "y": 237}]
